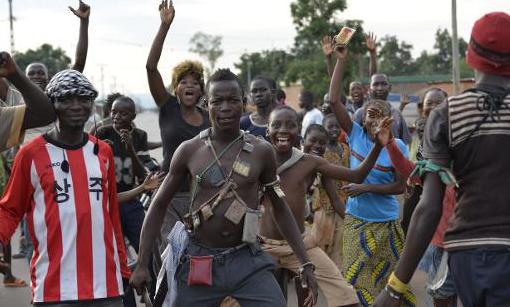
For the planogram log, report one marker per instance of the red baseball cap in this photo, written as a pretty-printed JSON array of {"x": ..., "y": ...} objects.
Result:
[{"x": 489, "y": 47}]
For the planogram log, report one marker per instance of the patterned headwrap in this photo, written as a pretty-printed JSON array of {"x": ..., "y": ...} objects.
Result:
[{"x": 70, "y": 83}]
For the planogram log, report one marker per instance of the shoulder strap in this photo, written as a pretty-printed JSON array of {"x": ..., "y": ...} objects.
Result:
[
  {"x": 204, "y": 134},
  {"x": 296, "y": 156}
]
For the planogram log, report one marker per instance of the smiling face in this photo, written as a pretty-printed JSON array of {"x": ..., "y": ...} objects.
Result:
[
  {"x": 73, "y": 111},
  {"x": 225, "y": 101},
  {"x": 332, "y": 127},
  {"x": 38, "y": 74},
  {"x": 315, "y": 142},
  {"x": 189, "y": 90},
  {"x": 432, "y": 99},
  {"x": 375, "y": 112},
  {"x": 283, "y": 129},
  {"x": 260, "y": 93}
]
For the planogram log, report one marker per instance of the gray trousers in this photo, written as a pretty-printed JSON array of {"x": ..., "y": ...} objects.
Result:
[
  {"x": 114, "y": 302},
  {"x": 245, "y": 275}
]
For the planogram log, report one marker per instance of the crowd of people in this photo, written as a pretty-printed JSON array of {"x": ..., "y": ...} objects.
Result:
[{"x": 243, "y": 199}]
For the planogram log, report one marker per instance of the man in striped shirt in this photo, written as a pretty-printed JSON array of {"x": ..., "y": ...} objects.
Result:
[
  {"x": 471, "y": 135},
  {"x": 64, "y": 181}
]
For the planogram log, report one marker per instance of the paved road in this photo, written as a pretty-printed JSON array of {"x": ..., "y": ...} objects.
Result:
[{"x": 20, "y": 297}]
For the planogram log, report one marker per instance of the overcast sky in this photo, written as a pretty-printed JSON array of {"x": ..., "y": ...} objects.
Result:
[{"x": 121, "y": 31}]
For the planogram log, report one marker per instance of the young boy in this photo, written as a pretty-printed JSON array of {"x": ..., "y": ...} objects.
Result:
[
  {"x": 129, "y": 146},
  {"x": 328, "y": 207},
  {"x": 297, "y": 170},
  {"x": 262, "y": 92},
  {"x": 228, "y": 168}
]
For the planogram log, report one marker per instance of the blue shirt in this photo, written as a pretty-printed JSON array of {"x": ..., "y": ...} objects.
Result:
[
  {"x": 249, "y": 126},
  {"x": 373, "y": 207}
]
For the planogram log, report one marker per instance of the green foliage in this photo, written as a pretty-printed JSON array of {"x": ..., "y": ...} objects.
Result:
[
  {"x": 312, "y": 20},
  {"x": 207, "y": 46},
  {"x": 395, "y": 57},
  {"x": 270, "y": 63},
  {"x": 54, "y": 58}
]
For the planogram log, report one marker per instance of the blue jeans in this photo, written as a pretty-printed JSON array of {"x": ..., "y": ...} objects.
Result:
[
  {"x": 131, "y": 220},
  {"x": 448, "y": 289},
  {"x": 245, "y": 275},
  {"x": 482, "y": 276}
]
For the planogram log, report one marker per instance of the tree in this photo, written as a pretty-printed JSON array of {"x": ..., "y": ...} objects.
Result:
[
  {"x": 207, "y": 46},
  {"x": 313, "y": 19},
  {"x": 395, "y": 56},
  {"x": 271, "y": 63},
  {"x": 54, "y": 58},
  {"x": 440, "y": 61}
]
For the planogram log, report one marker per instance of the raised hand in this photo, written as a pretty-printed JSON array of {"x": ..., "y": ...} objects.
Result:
[
  {"x": 7, "y": 65},
  {"x": 371, "y": 41},
  {"x": 404, "y": 101},
  {"x": 152, "y": 181},
  {"x": 166, "y": 12},
  {"x": 384, "y": 135},
  {"x": 341, "y": 52},
  {"x": 83, "y": 11},
  {"x": 327, "y": 45}
]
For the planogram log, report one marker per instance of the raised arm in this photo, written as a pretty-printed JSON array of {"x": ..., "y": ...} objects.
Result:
[
  {"x": 336, "y": 90},
  {"x": 286, "y": 222},
  {"x": 151, "y": 182},
  {"x": 39, "y": 110},
  {"x": 83, "y": 12},
  {"x": 156, "y": 84},
  {"x": 371, "y": 41},
  {"x": 335, "y": 201},
  {"x": 353, "y": 175},
  {"x": 399, "y": 161},
  {"x": 156, "y": 214},
  {"x": 327, "y": 49}
]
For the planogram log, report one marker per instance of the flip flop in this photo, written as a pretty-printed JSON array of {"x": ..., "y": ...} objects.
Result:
[{"x": 16, "y": 283}]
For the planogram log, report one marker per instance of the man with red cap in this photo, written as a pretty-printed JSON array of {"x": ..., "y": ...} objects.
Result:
[{"x": 467, "y": 144}]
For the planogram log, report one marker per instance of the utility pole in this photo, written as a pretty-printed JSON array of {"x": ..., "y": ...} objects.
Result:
[
  {"x": 101, "y": 67},
  {"x": 455, "y": 50},
  {"x": 11, "y": 23}
]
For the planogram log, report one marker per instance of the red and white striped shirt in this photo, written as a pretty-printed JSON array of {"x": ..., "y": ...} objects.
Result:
[{"x": 73, "y": 220}]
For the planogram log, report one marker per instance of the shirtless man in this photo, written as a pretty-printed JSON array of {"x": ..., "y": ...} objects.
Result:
[
  {"x": 217, "y": 236},
  {"x": 297, "y": 171}
]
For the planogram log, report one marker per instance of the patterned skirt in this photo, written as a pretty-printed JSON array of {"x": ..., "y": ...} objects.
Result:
[{"x": 371, "y": 251}]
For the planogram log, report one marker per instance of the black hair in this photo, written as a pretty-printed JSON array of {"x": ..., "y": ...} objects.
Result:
[
  {"x": 280, "y": 94},
  {"x": 433, "y": 89},
  {"x": 281, "y": 108},
  {"x": 315, "y": 127},
  {"x": 269, "y": 81},
  {"x": 378, "y": 103},
  {"x": 107, "y": 108},
  {"x": 224, "y": 74},
  {"x": 327, "y": 117},
  {"x": 307, "y": 96}
]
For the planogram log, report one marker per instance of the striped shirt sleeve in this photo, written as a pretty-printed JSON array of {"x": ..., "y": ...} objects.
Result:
[{"x": 11, "y": 122}]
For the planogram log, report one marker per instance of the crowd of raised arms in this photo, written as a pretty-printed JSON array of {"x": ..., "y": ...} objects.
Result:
[{"x": 245, "y": 201}]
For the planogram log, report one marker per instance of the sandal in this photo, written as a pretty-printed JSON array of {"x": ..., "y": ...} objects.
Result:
[{"x": 16, "y": 283}]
